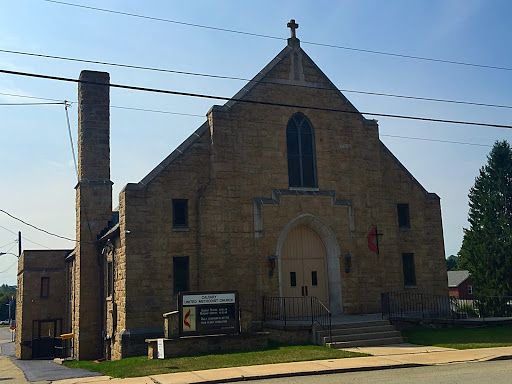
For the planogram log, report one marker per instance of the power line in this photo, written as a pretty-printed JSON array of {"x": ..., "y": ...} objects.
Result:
[
  {"x": 437, "y": 140},
  {"x": 7, "y": 253},
  {"x": 66, "y": 106},
  {"x": 190, "y": 94},
  {"x": 12, "y": 242},
  {"x": 28, "y": 97},
  {"x": 420, "y": 98},
  {"x": 9, "y": 250},
  {"x": 404, "y": 56},
  {"x": 158, "y": 111},
  {"x": 33, "y": 226},
  {"x": 5, "y": 270},
  {"x": 202, "y": 116},
  {"x": 24, "y": 238},
  {"x": 20, "y": 104}
]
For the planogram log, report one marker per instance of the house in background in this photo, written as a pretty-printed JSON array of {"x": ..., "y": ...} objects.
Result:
[{"x": 460, "y": 285}]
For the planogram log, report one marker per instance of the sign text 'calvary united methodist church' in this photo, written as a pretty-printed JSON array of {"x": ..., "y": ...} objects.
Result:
[{"x": 208, "y": 313}]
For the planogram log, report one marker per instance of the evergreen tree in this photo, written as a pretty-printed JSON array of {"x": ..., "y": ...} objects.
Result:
[{"x": 487, "y": 246}]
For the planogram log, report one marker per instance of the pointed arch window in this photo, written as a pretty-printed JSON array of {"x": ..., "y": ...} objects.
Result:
[{"x": 300, "y": 145}]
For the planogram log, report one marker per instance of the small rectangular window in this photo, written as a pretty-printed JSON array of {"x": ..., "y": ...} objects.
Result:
[
  {"x": 45, "y": 287},
  {"x": 403, "y": 216},
  {"x": 409, "y": 272},
  {"x": 470, "y": 289},
  {"x": 180, "y": 274},
  {"x": 179, "y": 213},
  {"x": 314, "y": 278},
  {"x": 293, "y": 279},
  {"x": 110, "y": 278}
]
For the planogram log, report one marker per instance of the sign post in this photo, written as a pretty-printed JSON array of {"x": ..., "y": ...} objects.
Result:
[
  {"x": 208, "y": 313},
  {"x": 160, "y": 348}
]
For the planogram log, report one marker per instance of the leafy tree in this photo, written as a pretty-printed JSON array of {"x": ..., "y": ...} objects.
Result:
[
  {"x": 487, "y": 246},
  {"x": 6, "y": 292},
  {"x": 451, "y": 263}
]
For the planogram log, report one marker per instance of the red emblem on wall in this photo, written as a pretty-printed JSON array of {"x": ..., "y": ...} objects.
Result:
[
  {"x": 185, "y": 319},
  {"x": 373, "y": 240}
]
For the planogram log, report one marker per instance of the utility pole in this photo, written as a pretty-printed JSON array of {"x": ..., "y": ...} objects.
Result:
[{"x": 19, "y": 244}]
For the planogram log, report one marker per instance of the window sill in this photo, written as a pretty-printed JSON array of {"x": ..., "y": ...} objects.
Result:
[
  {"x": 404, "y": 229},
  {"x": 180, "y": 229},
  {"x": 410, "y": 286},
  {"x": 303, "y": 189}
]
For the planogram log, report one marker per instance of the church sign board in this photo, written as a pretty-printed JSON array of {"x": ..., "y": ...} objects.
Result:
[{"x": 208, "y": 313}]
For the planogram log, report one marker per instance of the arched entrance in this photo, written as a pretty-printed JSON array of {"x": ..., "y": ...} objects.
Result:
[
  {"x": 304, "y": 269},
  {"x": 307, "y": 247}
]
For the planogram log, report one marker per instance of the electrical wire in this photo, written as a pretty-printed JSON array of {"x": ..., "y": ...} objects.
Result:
[
  {"x": 24, "y": 238},
  {"x": 190, "y": 94},
  {"x": 9, "y": 250},
  {"x": 15, "y": 241},
  {"x": 19, "y": 104},
  {"x": 436, "y": 140},
  {"x": 33, "y": 226},
  {"x": 5, "y": 270},
  {"x": 404, "y": 56},
  {"x": 202, "y": 116},
  {"x": 8, "y": 253},
  {"x": 66, "y": 106},
  {"x": 263, "y": 81},
  {"x": 28, "y": 97}
]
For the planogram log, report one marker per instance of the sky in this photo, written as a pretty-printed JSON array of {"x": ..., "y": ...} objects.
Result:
[{"x": 36, "y": 160}]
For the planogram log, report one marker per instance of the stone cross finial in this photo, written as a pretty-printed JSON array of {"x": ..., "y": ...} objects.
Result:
[{"x": 293, "y": 26}]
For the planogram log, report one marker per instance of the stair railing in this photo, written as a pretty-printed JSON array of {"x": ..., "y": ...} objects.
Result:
[{"x": 306, "y": 309}]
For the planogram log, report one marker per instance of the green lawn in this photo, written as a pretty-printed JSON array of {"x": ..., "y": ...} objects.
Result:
[
  {"x": 462, "y": 338},
  {"x": 141, "y": 366}
]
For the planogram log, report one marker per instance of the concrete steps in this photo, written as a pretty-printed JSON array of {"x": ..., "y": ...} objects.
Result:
[{"x": 349, "y": 335}]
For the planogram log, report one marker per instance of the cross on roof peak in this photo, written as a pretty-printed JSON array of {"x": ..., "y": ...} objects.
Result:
[{"x": 293, "y": 26}]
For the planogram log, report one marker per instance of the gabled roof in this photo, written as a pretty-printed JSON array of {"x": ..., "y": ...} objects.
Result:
[
  {"x": 456, "y": 278},
  {"x": 292, "y": 46}
]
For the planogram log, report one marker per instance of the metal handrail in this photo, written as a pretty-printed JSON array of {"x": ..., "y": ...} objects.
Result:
[{"x": 302, "y": 308}]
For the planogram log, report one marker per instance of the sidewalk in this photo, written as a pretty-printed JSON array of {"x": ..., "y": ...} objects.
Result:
[{"x": 385, "y": 357}]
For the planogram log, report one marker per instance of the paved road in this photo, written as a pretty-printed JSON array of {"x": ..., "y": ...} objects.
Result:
[
  {"x": 36, "y": 370},
  {"x": 493, "y": 372}
]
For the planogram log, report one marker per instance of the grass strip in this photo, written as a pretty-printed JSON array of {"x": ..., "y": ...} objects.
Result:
[
  {"x": 141, "y": 366},
  {"x": 462, "y": 338}
]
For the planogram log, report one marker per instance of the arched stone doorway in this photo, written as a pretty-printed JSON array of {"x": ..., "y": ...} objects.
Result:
[{"x": 290, "y": 242}]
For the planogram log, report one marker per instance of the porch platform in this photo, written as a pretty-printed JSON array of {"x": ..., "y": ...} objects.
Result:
[{"x": 335, "y": 320}]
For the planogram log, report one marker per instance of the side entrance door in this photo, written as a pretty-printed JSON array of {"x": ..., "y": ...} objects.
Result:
[
  {"x": 304, "y": 268},
  {"x": 44, "y": 333}
]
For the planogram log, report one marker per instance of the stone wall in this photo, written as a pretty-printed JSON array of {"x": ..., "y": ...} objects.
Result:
[
  {"x": 30, "y": 306},
  {"x": 233, "y": 171},
  {"x": 93, "y": 210}
]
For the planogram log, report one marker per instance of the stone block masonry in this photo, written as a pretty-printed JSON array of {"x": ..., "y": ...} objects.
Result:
[{"x": 93, "y": 210}]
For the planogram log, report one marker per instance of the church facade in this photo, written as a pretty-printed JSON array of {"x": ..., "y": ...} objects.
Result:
[{"x": 285, "y": 191}]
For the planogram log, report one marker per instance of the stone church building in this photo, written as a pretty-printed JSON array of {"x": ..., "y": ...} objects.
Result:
[{"x": 285, "y": 190}]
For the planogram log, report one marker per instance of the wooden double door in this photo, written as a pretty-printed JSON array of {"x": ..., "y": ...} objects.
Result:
[{"x": 304, "y": 266}]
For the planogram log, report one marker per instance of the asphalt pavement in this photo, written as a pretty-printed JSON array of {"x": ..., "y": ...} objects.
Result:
[{"x": 43, "y": 371}]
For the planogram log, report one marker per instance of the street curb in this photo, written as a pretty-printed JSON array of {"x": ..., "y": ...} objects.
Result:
[
  {"x": 500, "y": 358},
  {"x": 305, "y": 373}
]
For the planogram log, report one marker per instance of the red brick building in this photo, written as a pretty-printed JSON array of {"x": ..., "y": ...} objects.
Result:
[{"x": 460, "y": 285}]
